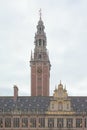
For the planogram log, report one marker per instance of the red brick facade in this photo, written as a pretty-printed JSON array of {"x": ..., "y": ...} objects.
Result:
[{"x": 40, "y": 64}]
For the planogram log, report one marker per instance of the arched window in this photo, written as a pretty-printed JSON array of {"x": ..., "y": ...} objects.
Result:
[
  {"x": 60, "y": 106},
  {"x": 39, "y": 42},
  {"x": 40, "y": 28},
  {"x": 39, "y": 56}
]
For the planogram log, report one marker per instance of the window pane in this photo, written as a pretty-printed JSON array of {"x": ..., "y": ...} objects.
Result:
[
  {"x": 50, "y": 122},
  {"x": 24, "y": 122},
  {"x": 7, "y": 122},
  {"x": 79, "y": 122},
  {"x": 85, "y": 122},
  {"x": 69, "y": 122},
  {"x": 16, "y": 122},
  {"x": 41, "y": 122},
  {"x": 1, "y": 122},
  {"x": 33, "y": 122},
  {"x": 60, "y": 106},
  {"x": 60, "y": 122}
]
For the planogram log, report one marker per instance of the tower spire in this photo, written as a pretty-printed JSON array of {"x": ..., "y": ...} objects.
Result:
[
  {"x": 40, "y": 13},
  {"x": 40, "y": 63}
]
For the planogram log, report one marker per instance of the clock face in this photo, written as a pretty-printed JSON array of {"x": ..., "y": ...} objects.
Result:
[{"x": 39, "y": 70}]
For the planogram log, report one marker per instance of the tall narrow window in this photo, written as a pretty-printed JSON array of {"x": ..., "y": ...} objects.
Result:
[
  {"x": 69, "y": 123},
  {"x": 43, "y": 43},
  {"x": 16, "y": 122},
  {"x": 39, "y": 42},
  {"x": 52, "y": 106},
  {"x": 40, "y": 28},
  {"x": 1, "y": 122},
  {"x": 39, "y": 56},
  {"x": 7, "y": 122},
  {"x": 79, "y": 122},
  {"x": 41, "y": 123},
  {"x": 33, "y": 122},
  {"x": 60, "y": 123},
  {"x": 67, "y": 106},
  {"x": 25, "y": 122},
  {"x": 50, "y": 122},
  {"x": 60, "y": 106},
  {"x": 85, "y": 122}
]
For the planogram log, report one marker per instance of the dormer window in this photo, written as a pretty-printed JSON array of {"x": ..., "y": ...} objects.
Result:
[
  {"x": 60, "y": 93},
  {"x": 67, "y": 106},
  {"x": 52, "y": 106},
  {"x": 60, "y": 106}
]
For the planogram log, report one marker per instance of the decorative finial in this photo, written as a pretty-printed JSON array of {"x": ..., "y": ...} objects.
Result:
[
  {"x": 55, "y": 87},
  {"x": 40, "y": 13},
  {"x": 60, "y": 81},
  {"x": 65, "y": 86},
  {"x": 31, "y": 54}
]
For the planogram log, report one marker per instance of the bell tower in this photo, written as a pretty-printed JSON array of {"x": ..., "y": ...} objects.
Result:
[{"x": 40, "y": 63}]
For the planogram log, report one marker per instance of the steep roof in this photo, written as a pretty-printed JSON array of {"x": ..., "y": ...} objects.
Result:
[{"x": 37, "y": 104}]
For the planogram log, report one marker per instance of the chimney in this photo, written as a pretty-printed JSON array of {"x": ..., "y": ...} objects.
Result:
[{"x": 15, "y": 92}]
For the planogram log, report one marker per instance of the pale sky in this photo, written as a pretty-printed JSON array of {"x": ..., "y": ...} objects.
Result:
[{"x": 66, "y": 30}]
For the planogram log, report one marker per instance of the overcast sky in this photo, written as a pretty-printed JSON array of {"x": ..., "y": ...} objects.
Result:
[{"x": 66, "y": 30}]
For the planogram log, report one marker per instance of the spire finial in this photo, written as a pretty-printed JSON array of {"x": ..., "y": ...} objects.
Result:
[
  {"x": 55, "y": 87},
  {"x": 65, "y": 86},
  {"x": 60, "y": 81},
  {"x": 40, "y": 13}
]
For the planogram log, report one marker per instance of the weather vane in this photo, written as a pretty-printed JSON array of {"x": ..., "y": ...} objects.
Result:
[{"x": 40, "y": 13}]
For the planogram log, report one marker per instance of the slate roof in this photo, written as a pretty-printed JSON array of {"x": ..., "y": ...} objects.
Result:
[
  {"x": 37, "y": 104},
  {"x": 79, "y": 104}
]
